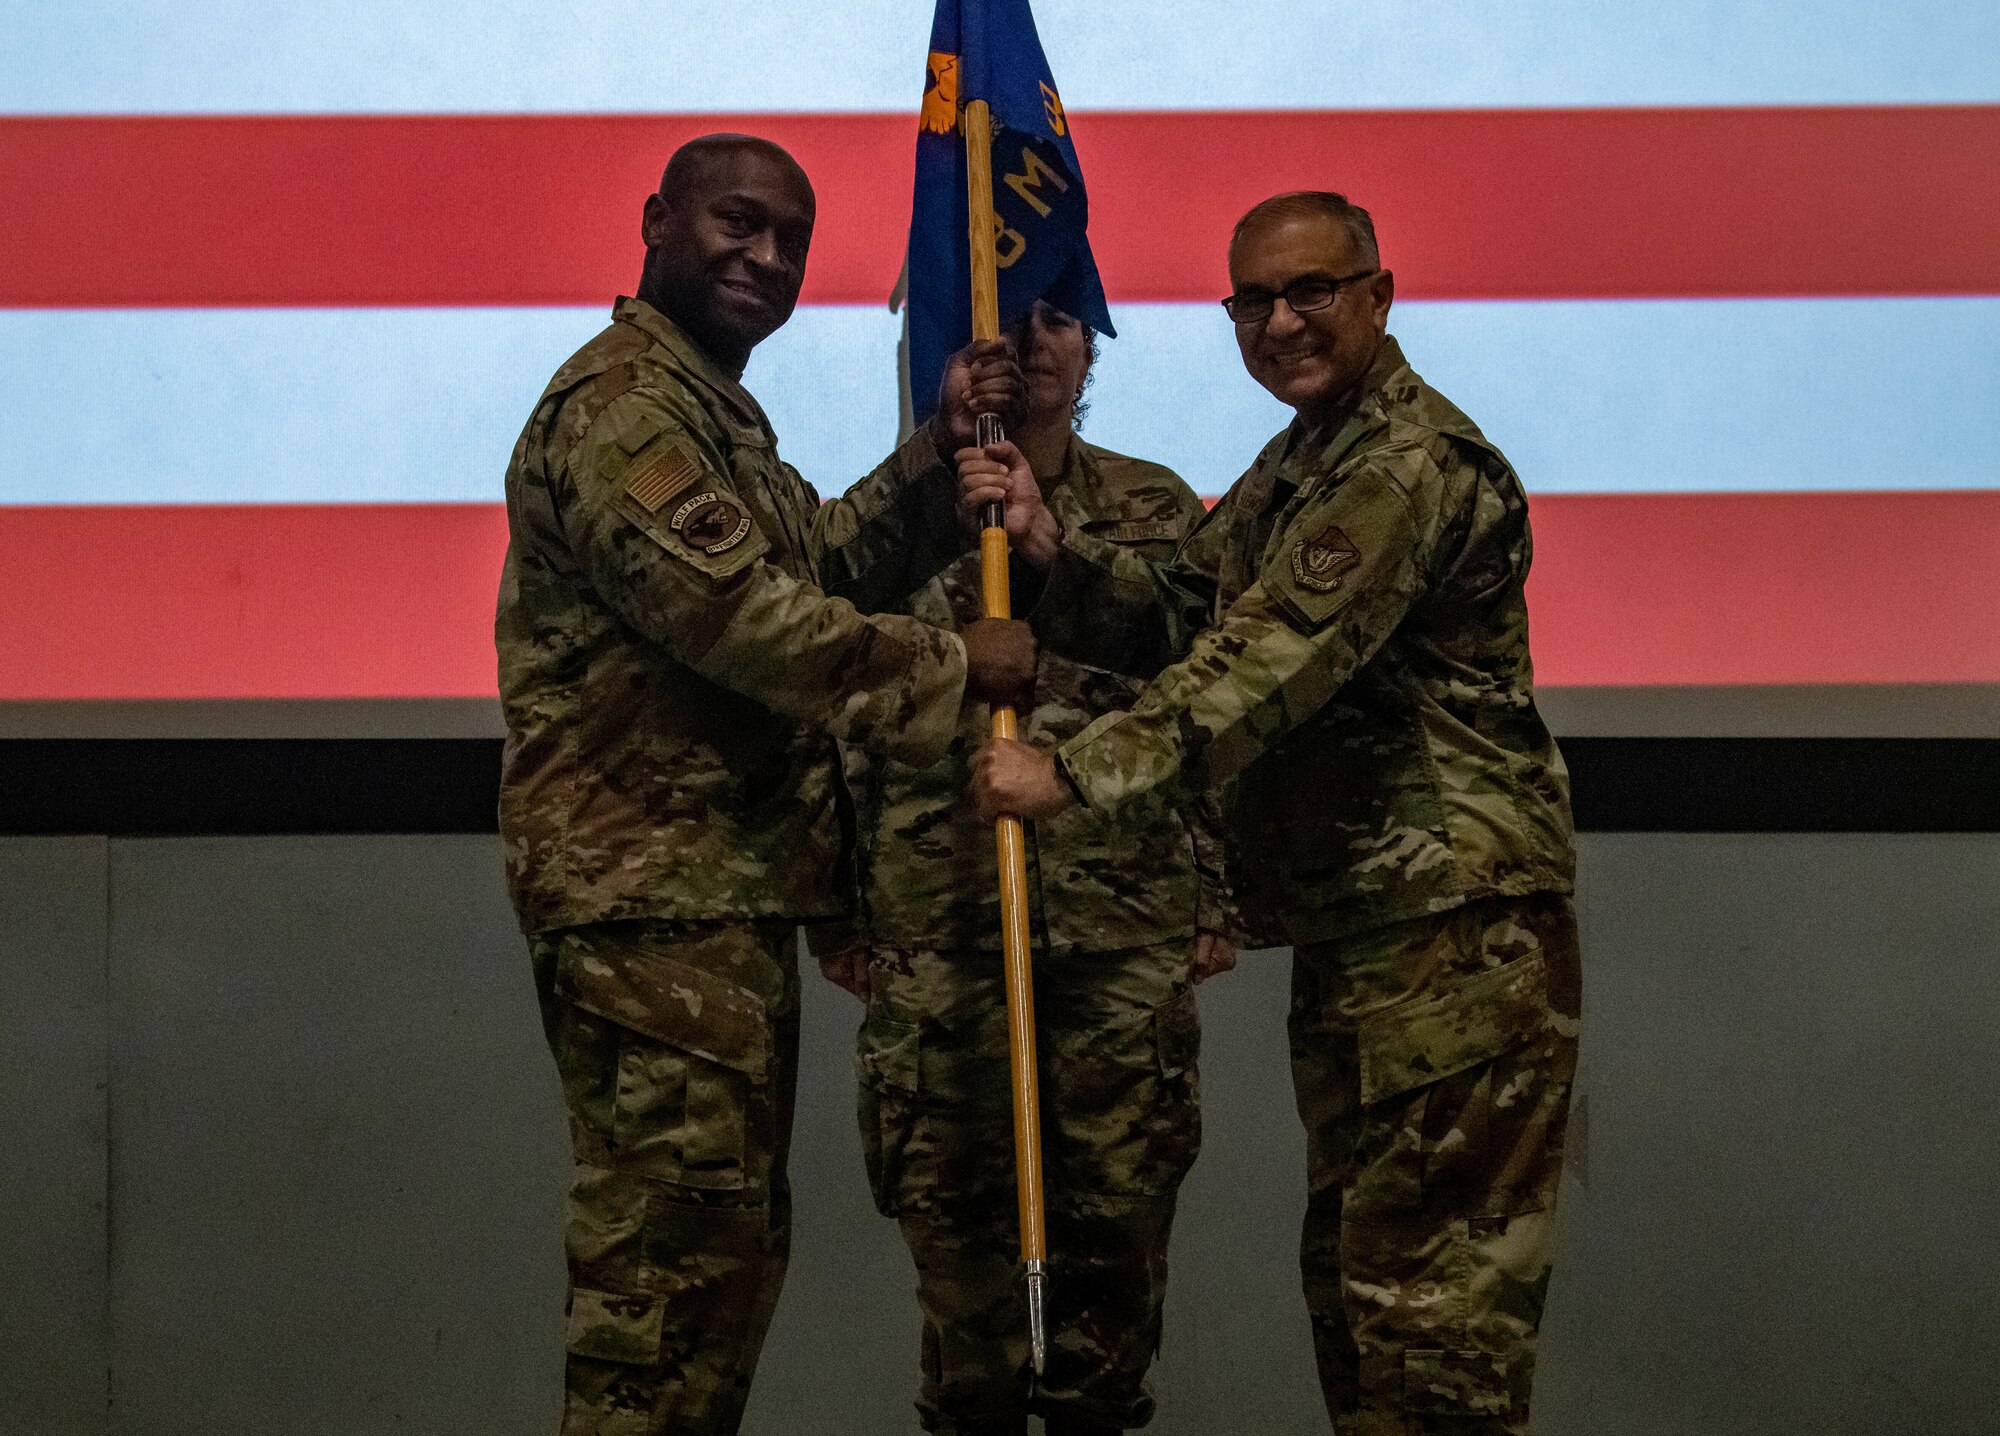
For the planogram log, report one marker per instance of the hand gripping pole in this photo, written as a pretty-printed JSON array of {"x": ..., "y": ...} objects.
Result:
[{"x": 1009, "y": 836}]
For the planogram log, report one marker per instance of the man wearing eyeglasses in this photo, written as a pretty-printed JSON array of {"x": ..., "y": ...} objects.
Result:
[{"x": 1347, "y": 648}]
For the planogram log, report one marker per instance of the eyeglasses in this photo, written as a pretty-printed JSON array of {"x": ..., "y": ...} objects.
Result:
[{"x": 1301, "y": 296}]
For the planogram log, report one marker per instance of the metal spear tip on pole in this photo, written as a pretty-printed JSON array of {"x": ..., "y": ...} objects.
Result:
[{"x": 1038, "y": 1341}]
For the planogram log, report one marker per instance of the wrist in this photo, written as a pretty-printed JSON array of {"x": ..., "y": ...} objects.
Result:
[
  {"x": 1042, "y": 541},
  {"x": 1072, "y": 796}
]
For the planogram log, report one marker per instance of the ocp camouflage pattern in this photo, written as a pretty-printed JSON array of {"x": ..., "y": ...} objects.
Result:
[
  {"x": 1433, "y": 1061},
  {"x": 1349, "y": 647},
  {"x": 1118, "y": 1039},
  {"x": 673, "y": 681},
  {"x": 1147, "y": 872},
  {"x": 678, "y": 1048},
  {"x": 678, "y": 656}
]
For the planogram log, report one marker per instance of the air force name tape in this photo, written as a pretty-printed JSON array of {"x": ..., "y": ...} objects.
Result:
[{"x": 710, "y": 524}]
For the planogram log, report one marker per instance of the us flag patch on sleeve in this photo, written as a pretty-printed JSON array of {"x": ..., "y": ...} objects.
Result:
[{"x": 664, "y": 476}]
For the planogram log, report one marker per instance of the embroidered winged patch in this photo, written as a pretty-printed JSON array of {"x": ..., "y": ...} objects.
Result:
[
  {"x": 1320, "y": 563},
  {"x": 652, "y": 486}
]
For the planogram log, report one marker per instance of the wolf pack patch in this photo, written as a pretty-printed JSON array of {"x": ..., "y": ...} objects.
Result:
[{"x": 710, "y": 524}]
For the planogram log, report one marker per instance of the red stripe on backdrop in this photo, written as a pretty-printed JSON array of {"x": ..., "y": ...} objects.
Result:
[
  {"x": 1767, "y": 588},
  {"x": 397, "y": 601},
  {"x": 543, "y": 209}
]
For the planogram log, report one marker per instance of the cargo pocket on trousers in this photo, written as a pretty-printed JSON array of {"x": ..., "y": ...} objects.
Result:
[
  {"x": 692, "y": 1104},
  {"x": 1177, "y": 1031},
  {"x": 605, "y": 1326},
  {"x": 1455, "y": 1383},
  {"x": 1427, "y": 1082},
  {"x": 1126, "y": 1101},
  {"x": 887, "y": 1061},
  {"x": 1176, "y": 1138}
]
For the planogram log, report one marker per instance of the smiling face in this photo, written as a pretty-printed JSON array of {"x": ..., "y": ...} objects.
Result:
[
  {"x": 1309, "y": 360},
  {"x": 726, "y": 242}
]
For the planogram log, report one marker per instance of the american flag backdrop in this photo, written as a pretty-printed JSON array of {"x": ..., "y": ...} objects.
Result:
[{"x": 280, "y": 283}]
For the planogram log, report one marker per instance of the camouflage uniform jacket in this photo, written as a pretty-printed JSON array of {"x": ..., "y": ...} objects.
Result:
[
  {"x": 1103, "y": 881},
  {"x": 674, "y": 667},
  {"x": 1352, "y": 646}
]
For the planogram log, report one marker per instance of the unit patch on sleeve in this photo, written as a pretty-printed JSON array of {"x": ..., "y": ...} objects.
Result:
[
  {"x": 710, "y": 524},
  {"x": 663, "y": 477},
  {"x": 1320, "y": 563}
]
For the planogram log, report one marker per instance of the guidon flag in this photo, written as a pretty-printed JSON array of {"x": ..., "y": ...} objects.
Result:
[{"x": 988, "y": 50}]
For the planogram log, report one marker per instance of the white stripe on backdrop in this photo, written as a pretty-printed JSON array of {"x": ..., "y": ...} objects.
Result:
[
  {"x": 146, "y": 56},
  {"x": 349, "y": 406}
]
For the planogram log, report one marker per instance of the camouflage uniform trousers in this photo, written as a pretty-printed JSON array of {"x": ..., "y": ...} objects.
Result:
[
  {"x": 1432, "y": 1062},
  {"x": 1118, "y": 1037},
  {"x": 677, "y": 1044}
]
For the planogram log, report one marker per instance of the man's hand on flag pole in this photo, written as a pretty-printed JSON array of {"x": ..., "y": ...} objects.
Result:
[
  {"x": 1018, "y": 780},
  {"x": 982, "y": 378},
  {"x": 998, "y": 474},
  {"x": 999, "y": 661}
]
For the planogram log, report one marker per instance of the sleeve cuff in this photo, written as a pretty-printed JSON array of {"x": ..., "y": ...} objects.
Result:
[
  {"x": 1076, "y": 773},
  {"x": 935, "y": 707}
]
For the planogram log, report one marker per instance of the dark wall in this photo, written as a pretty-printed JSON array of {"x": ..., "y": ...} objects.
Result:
[{"x": 283, "y": 1153}]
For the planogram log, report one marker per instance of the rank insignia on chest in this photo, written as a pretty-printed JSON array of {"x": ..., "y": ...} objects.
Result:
[
  {"x": 1320, "y": 563},
  {"x": 662, "y": 478},
  {"x": 710, "y": 524}
]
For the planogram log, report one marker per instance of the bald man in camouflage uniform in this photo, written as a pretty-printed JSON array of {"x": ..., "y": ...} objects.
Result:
[
  {"x": 1120, "y": 900},
  {"x": 1349, "y": 648},
  {"x": 675, "y": 670}
]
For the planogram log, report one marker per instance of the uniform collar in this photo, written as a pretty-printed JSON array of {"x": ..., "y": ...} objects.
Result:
[
  {"x": 691, "y": 358},
  {"x": 1074, "y": 491},
  {"x": 1329, "y": 440}
]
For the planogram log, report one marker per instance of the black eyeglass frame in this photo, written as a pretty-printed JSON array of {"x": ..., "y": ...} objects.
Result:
[{"x": 1333, "y": 288}]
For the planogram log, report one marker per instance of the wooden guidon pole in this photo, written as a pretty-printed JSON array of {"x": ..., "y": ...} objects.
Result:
[{"x": 1008, "y": 834}]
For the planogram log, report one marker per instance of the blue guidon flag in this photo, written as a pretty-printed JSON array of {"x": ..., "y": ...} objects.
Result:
[{"x": 988, "y": 50}]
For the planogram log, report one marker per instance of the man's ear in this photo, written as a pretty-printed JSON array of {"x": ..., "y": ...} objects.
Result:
[
  {"x": 653, "y": 221},
  {"x": 1382, "y": 294}
]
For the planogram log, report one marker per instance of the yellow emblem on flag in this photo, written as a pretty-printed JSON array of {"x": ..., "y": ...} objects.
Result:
[
  {"x": 1052, "y": 102},
  {"x": 940, "y": 115}
]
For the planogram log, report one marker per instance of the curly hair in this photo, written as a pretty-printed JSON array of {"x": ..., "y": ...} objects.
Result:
[{"x": 1089, "y": 377}]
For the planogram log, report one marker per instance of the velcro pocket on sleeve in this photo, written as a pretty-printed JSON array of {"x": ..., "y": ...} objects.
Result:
[
  {"x": 1484, "y": 1017},
  {"x": 677, "y": 499},
  {"x": 670, "y": 1001},
  {"x": 605, "y": 1326},
  {"x": 1313, "y": 575}
]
